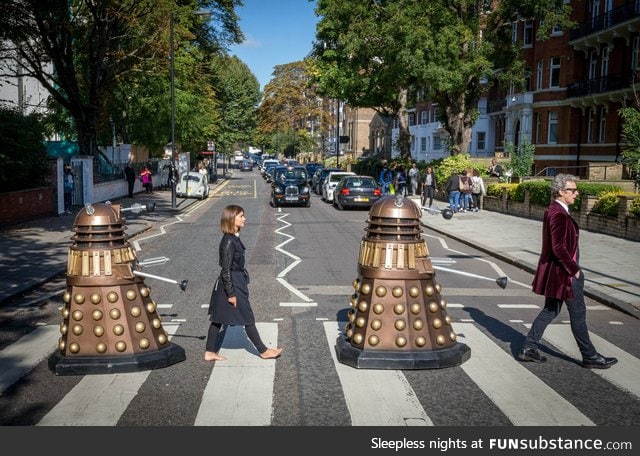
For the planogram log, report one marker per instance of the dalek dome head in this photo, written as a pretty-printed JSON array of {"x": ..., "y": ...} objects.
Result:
[
  {"x": 99, "y": 222},
  {"x": 103, "y": 214},
  {"x": 394, "y": 218}
]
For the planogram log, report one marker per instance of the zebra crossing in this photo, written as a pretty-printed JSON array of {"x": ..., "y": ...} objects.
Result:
[{"x": 240, "y": 390}]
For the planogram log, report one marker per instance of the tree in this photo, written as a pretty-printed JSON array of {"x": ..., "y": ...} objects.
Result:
[
  {"x": 631, "y": 137},
  {"x": 80, "y": 50},
  {"x": 376, "y": 53},
  {"x": 23, "y": 158},
  {"x": 289, "y": 102},
  {"x": 238, "y": 93}
]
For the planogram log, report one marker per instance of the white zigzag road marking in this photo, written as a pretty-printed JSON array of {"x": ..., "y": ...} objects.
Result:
[
  {"x": 297, "y": 260},
  {"x": 162, "y": 231}
]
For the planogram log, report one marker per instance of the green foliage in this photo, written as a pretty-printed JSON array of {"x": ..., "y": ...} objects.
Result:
[
  {"x": 631, "y": 136},
  {"x": 607, "y": 204},
  {"x": 497, "y": 190},
  {"x": 448, "y": 166},
  {"x": 634, "y": 210},
  {"x": 23, "y": 156},
  {"x": 539, "y": 191},
  {"x": 522, "y": 159}
]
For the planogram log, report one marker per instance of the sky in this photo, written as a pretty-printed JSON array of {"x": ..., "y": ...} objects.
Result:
[{"x": 276, "y": 32}]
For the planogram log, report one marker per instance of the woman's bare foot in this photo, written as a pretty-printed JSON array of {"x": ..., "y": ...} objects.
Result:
[
  {"x": 213, "y": 356},
  {"x": 271, "y": 353}
]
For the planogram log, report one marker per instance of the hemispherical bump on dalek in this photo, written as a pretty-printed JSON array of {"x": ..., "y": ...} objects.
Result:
[
  {"x": 110, "y": 320},
  {"x": 398, "y": 317}
]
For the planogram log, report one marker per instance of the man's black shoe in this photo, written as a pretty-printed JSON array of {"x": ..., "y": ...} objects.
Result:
[
  {"x": 531, "y": 354},
  {"x": 598, "y": 362}
]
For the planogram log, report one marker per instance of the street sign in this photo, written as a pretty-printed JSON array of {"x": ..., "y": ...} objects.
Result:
[{"x": 211, "y": 145}]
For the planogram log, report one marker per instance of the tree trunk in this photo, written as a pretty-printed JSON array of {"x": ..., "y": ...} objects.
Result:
[
  {"x": 404, "y": 138},
  {"x": 459, "y": 123}
]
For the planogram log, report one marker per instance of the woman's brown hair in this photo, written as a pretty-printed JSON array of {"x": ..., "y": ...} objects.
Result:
[{"x": 228, "y": 219}]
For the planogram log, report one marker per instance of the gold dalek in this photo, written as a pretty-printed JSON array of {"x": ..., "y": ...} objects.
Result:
[
  {"x": 110, "y": 322},
  {"x": 398, "y": 317}
]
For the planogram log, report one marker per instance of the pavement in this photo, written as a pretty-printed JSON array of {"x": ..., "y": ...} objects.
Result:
[{"x": 33, "y": 253}]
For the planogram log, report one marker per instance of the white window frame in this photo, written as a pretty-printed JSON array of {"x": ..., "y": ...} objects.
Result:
[
  {"x": 554, "y": 67},
  {"x": 602, "y": 135},
  {"x": 635, "y": 48},
  {"x": 423, "y": 144},
  {"x": 527, "y": 39},
  {"x": 424, "y": 117},
  {"x": 481, "y": 140},
  {"x": 591, "y": 119},
  {"x": 437, "y": 142},
  {"x": 514, "y": 31},
  {"x": 552, "y": 128},
  {"x": 539, "y": 74}
]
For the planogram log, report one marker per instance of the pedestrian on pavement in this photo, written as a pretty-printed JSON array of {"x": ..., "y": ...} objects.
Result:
[
  {"x": 130, "y": 176},
  {"x": 401, "y": 181},
  {"x": 465, "y": 189},
  {"x": 477, "y": 189},
  {"x": 229, "y": 303},
  {"x": 145, "y": 178},
  {"x": 495, "y": 170},
  {"x": 386, "y": 178},
  {"x": 559, "y": 278},
  {"x": 414, "y": 178},
  {"x": 453, "y": 190},
  {"x": 428, "y": 186},
  {"x": 68, "y": 186}
]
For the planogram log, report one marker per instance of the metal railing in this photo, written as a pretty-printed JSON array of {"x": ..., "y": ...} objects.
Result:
[{"x": 624, "y": 13}]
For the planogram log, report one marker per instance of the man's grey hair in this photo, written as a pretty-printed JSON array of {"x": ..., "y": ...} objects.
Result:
[{"x": 560, "y": 183}]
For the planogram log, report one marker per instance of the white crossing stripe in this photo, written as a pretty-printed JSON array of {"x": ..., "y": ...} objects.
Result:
[
  {"x": 376, "y": 397},
  {"x": 521, "y": 396},
  {"x": 518, "y": 306},
  {"x": 624, "y": 374},
  {"x": 19, "y": 358},
  {"x": 99, "y": 400},
  {"x": 240, "y": 389}
]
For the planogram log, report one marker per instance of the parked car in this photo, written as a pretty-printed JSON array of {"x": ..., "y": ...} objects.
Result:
[
  {"x": 319, "y": 177},
  {"x": 311, "y": 168},
  {"x": 290, "y": 186},
  {"x": 356, "y": 191},
  {"x": 246, "y": 165},
  {"x": 330, "y": 183},
  {"x": 193, "y": 184}
]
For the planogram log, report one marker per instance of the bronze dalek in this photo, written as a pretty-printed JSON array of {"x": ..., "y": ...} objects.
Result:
[
  {"x": 398, "y": 317},
  {"x": 110, "y": 323}
]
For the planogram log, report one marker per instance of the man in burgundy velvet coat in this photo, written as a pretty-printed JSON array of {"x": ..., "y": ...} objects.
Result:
[{"x": 559, "y": 278}]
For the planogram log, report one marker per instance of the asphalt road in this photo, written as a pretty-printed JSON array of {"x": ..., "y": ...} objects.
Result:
[{"x": 302, "y": 263}]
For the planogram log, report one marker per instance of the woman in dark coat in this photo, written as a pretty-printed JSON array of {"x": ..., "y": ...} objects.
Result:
[{"x": 230, "y": 298}]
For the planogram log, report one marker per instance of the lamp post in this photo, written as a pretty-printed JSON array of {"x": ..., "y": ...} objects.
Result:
[
  {"x": 173, "y": 121},
  {"x": 203, "y": 13}
]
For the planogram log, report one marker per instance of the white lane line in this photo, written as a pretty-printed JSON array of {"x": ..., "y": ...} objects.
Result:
[
  {"x": 624, "y": 374},
  {"x": 99, "y": 400},
  {"x": 22, "y": 356},
  {"x": 518, "y": 306},
  {"x": 298, "y": 304},
  {"x": 521, "y": 396},
  {"x": 240, "y": 389},
  {"x": 376, "y": 397}
]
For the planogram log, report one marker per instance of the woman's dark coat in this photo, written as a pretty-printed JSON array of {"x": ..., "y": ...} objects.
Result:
[
  {"x": 232, "y": 281},
  {"x": 558, "y": 261}
]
